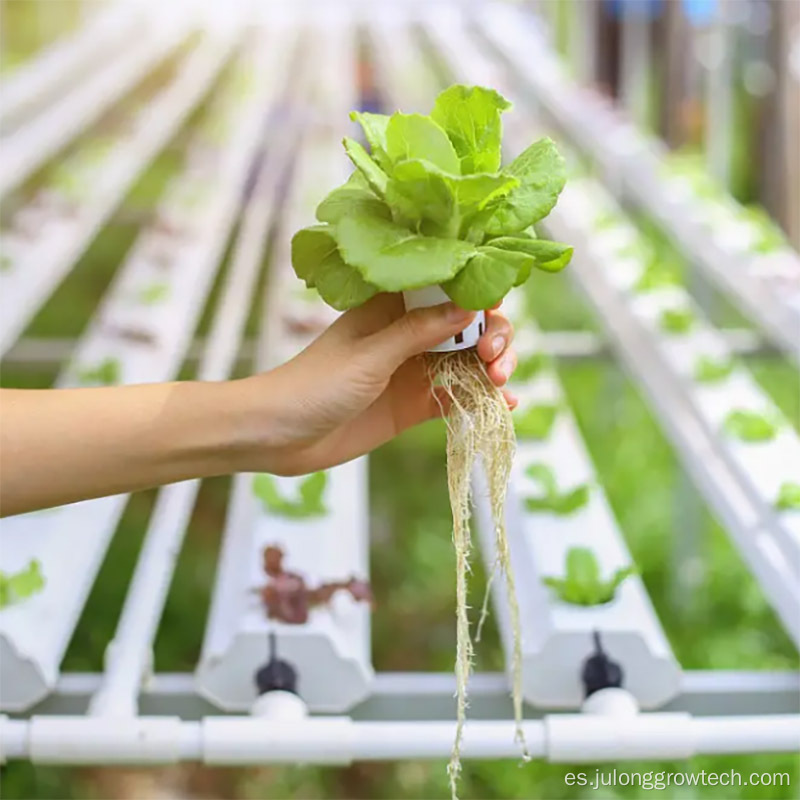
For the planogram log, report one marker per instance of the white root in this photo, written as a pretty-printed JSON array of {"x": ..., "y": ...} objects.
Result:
[{"x": 479, "y": 424}]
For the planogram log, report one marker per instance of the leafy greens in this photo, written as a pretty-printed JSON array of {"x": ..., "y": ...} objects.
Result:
[
  {"x": 582, "y": 584},
  {"x": 551, "y": 498},
  {"x": 308, "y": 504},
  {"x": 21, "y": 585},
  {"x": 430, "y": 204}
]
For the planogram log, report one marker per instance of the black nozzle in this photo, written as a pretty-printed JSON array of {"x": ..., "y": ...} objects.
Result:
[
  {"x": 276, "y": 674},
  {"x": 599, "y": 671}
]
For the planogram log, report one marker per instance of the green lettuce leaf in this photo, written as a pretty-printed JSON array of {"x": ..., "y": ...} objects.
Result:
[
  {"x": 374, "y": 127},
  {"x": 309, "y": 504},
  {"x": 354, "y": 195},
  {"x": 535, "y": 422},
  {"x": 418, "y": 191},
  {"x": 551, "y": 499},
  {"x": 470, "y": 115},
  {"x": 750, "y": 426},
  {"x": 310, "y": 247},
  {"x": 421, "y": 192},
  {"x": 530, "y": 366},
  {"x": 411, "y": 136},
  {"x": 582, "y": 583},
  {"x": 542, "y": 174},
  {"x": 488, "y": 276},
  {"x": 21, "y": 585},
  {"x": 549, "y": 256},
  {"x": 391, "y": 257},
  {"x": 376, "y": 177},
  {"x": 340, "y": 285},
  {"x": 788, "y": 498}
]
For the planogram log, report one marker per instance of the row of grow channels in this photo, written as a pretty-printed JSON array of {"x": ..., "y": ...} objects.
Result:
[
  {"x": 140, "y": 333},
  {"x": 557, "y": 513},
  {"x": 34, "y": 82},
  {"x": 746, "y": 433},
  {"x": 319, "y": 523},
  {"x": 737, "y": 249},
  {"x": 58, "y": 219}
]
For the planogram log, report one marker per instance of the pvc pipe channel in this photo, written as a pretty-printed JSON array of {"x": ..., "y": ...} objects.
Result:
[
  {"x": 579, "y": 738},
  {"x": 434, "y": 296}
]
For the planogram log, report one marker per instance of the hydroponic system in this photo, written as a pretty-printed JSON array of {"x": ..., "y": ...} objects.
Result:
[{"x": 259, "y": 100}]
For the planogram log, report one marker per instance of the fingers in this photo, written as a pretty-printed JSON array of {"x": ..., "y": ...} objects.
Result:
[
  {"x": 378, "y": 312},
  {"x": 497, "y": 337},
  {"x": 494, "y": 347},
  {"x": 511, "y": 399},
  {"x": 415, "y": 332},
  {"x": 500, "y": 369}
]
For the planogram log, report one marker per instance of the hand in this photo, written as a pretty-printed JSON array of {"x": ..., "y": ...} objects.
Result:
[{"x": 359, "y": 384}]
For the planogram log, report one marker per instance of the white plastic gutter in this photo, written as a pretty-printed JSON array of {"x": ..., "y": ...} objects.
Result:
[
  {"x": 67, "y": 61},
  {"x": 574, "y": 738},
  {"x": 129, "y": 653}
]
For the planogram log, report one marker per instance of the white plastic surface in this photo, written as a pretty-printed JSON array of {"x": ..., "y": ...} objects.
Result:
[
  {"x": 39, "y": 264},
  {"x": 70, "y": 541},
  {"x": 26, "y": 148},
  {"x": 434, "y": 296},
  {"x": 331, "y": 651}
]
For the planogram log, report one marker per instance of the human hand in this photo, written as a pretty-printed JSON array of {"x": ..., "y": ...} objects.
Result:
[{"x": 362, "y": 382}]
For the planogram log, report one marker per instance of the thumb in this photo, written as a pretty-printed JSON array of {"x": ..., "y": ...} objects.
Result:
[{"x": 415, "y": 332}]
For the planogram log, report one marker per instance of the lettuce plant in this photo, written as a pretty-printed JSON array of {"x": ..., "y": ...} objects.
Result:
[
  {"x": 21, "y": 585},
  {"x": 582, "y": 584},
  {"x": 536, "y": 422},
  {"x": 769, "y": 237},
  {"x": 430, "y": 204},
  {"x": 308, "y": 504},
  {"x": 107, "y": 373},
  {"x": 657, "y": 275},
  {"x": 551, "y": 498},
  {"x": 708, "y": 369},
  {"x": 676, "y": 320},
  {"x": 153, "y": 294},
  {"x": 530, "y": 366},
  {"x": 788, "y": 497},
  {"x": 750, "y": 426}
]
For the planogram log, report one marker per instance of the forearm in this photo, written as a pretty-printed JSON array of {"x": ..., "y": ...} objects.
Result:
[{"x": 63, "y": 445}]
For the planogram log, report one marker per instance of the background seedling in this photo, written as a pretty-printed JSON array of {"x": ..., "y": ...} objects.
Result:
[
  {"x": 535, "y": 422},
  {"x": 308, "y": 504},
  {"x": 153, "y": 294},
  {"x": 582, "y": 583},
  {"x": 531, "y": 366},
  {"x": 21, "y": 585},
  {"x": 708, "y": 369},
  {"x": 288, "y": 598},
  {"x": 750, "y": 426},
  {"x": 552, "y": 499},
  {"x": 676, "y": 320},
  {"x": 788, "y": 497},
  {"x": 106, "y": 373}
]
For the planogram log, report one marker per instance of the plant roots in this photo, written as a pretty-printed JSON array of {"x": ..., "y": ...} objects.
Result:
[{"x": 479, "y": 425}]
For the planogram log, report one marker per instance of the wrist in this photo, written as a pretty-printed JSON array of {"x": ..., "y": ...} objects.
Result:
[{"x": 249, "y": 424}]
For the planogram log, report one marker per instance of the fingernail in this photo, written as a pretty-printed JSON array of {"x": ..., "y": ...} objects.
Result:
[
  {"x": 456, "y": 314},
  {"x": 498, "y": 343}
]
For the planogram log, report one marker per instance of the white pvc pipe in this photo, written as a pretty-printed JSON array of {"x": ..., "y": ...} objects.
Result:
[
  {"x": 576, "y": 738},
  {"x": 772, "y": 734}
]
